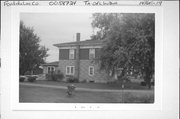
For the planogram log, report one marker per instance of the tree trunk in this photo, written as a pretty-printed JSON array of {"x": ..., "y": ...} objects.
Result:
[
  {"x": 123, "y": 73},
  {"x": 149, "y": 82},
  {"x": 148, "y": 78}
]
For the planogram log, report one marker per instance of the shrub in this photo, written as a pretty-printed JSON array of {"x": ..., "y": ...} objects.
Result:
[
  {"x": 126, "y": 79},
  {"x": 91, "y": 81},
  {"x": 31, "y": 78},
  {"x": 60, "y": 76},
  {"x": 84, "y": 81},
  {"x": 55, "y": 77},
  {"x": 70, "y": 90},
  {"x": 48, "y": 77},
  {"x": 27, "y": 73},
  {"x": 21, "y": 79},
  {"x": 71, "y": 79},
  {"x": 111, "y": 82},
  {"x": 143, "y": 83}
]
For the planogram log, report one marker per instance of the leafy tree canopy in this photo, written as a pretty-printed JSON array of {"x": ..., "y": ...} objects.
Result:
[
  {"x": 129, "y": 42},
  {"x": 32, "y": 54}
]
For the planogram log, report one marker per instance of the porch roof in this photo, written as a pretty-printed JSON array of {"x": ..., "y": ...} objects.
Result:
[{"x": 51, "y": 64}]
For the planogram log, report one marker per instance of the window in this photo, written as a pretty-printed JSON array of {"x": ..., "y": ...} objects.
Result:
[
  {"x": 63, "y": 54},
  {"x": 91, "y": 53},
  {"x": 71, "y": 54},
  {"x": 67, "y": 70},
  {"x": 70, "y": 70},
  {"x": 84, "y": 54},
  {"x": 91, "y": 70},
  {"x": 51, "y": 69}
]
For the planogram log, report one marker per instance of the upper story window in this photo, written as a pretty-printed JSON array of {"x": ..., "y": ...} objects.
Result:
[
  {"x": 71, "y": 54},
  {"x": 91, "y": 53}
]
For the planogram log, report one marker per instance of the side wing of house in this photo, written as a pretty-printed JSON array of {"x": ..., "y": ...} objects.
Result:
[{"x": 50, "y": 67}]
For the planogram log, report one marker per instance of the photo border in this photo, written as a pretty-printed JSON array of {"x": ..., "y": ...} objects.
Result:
[{"x": 15, "y": 21}]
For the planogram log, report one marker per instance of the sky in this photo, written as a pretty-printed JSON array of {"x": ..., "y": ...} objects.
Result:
[{"x": 53, "y": 28}]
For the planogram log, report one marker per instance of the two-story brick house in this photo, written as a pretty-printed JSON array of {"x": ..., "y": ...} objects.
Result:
[{"x": 77, "y": 59}]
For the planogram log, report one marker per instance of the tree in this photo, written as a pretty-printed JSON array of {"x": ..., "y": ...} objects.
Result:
[
  {"x": 31, "y": 53},
  {"x": 129, "y": 42}
]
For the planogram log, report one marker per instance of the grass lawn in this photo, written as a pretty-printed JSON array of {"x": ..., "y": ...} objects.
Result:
[
  {"x": 49, "y": 95},
  {"x": 116, "y": 86}
]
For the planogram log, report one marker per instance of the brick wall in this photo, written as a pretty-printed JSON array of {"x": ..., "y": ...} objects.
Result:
[
  {"x": 99, "y": 76},
  {"x": 64, "y": 63}
]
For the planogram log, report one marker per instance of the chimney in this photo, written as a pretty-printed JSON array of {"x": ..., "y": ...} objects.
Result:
[
  {"x": 77, "y": 63},
  {"x": 77, "y": 37}
]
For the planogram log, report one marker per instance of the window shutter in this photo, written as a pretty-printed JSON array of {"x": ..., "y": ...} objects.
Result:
[
  {"x": 91, "y": 53},
  {"x": 71, "y": 54}
]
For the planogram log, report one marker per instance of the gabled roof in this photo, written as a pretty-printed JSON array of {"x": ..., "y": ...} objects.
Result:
[
  {"x": 81, "y": 43},
  {"x": 51, "y": 64}
]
